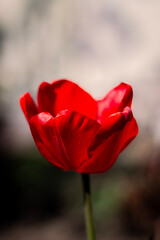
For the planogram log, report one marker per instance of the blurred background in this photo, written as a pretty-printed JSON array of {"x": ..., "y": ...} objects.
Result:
[{"x": 97, "y": 44}]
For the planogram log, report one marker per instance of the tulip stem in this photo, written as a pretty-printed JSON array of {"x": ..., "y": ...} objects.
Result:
[{"x": 88, "y": 207}]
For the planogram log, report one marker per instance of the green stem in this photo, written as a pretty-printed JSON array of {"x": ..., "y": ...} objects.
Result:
[{"x": 88, "y": 207}]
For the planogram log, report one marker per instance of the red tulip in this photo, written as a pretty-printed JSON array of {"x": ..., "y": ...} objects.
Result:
[{"x": 75, "y": 132}]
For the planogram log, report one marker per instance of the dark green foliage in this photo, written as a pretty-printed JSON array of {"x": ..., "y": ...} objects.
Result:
[{"x": 31, "y": 188}]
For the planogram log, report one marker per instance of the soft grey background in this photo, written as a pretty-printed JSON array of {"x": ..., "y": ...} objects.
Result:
[{"x": 97, "y": 44}]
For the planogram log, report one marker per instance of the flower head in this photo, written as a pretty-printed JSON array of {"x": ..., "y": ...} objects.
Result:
[{"x": 75, "y": 132}]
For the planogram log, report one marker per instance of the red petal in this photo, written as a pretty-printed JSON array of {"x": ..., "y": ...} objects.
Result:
[
  {"x": 45, "y": 136},
  {"x": 75, "y": 133},
  {"x": 62, "y": 95},
  {"x": 116, "y": 133},
  {"x": 115, "y": 101},
  {"x": 129, "y": 133},
  {"x": 28, "y": 106}
]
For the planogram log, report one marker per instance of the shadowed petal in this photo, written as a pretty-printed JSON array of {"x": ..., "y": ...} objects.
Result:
[
  {"x": 63, "y": 94},
  {"x": 28, "y": 106},
  {"x": 45, "y": 136},
  {"x": 118, "y": 130},
  {"x": 75, "y": 132},
  {"x": 115, "y": 101}
]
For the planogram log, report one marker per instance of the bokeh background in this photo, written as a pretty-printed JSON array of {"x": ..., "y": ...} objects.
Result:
[{"x": 97, "y": 44}]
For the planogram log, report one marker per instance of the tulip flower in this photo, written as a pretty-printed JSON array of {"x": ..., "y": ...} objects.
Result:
[{"x": 75, "y": 132}]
